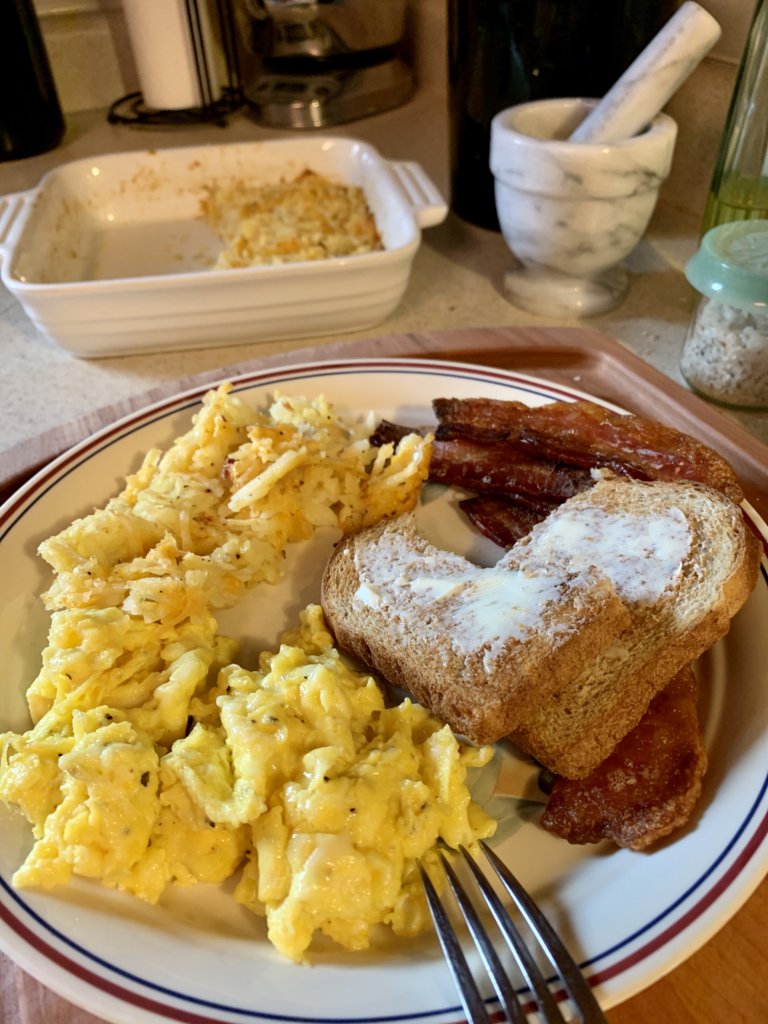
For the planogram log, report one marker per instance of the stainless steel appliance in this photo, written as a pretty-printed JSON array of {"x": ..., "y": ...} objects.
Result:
[{"x": 313, "y": 63}]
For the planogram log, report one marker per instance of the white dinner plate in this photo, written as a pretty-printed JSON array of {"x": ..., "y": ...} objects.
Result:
[{"x": 199, "y": 958}]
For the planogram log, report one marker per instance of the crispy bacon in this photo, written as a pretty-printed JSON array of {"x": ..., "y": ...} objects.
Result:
[
  {"x": 491, "y": 467},
  {"x": 495, "y": 468},
  {"x": 647, "y": 787},
  {"x": 491, "y": 418},
  {"x": 586, "y": 434},
  {"x": 387, "y": 432},
  {"x": 504, "y": 522}
]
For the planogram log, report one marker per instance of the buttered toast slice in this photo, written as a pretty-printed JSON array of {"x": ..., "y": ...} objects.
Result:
[
  {"x": 683, "y": 560},
  {"x": 479, "y": 646},
  {"x": 563, "y": 643}
]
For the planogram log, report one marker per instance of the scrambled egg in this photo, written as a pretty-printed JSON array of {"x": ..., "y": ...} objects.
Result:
[
  {"x": 309, "y": 218},
  {"x": 341, "y": 795},
  {"x": 154, "y": 759}
]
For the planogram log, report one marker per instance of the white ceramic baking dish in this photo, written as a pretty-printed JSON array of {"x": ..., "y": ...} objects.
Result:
[{"x": 109, "y": 256}]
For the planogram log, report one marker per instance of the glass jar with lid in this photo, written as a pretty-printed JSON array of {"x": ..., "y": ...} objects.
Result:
[{"x": 725, "y": 353}]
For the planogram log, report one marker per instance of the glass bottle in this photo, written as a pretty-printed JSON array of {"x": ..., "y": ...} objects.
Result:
[
  {"x": 503, "y": 52},
  {"x": 30, "y": 115},
  {"x": 739, "y": 188}
]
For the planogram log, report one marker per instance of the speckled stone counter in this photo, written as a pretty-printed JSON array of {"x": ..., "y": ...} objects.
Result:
[{"x": 456, "y": 281}]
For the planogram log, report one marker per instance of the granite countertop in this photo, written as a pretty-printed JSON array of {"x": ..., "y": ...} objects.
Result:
[{"x": 456, "y": 281}]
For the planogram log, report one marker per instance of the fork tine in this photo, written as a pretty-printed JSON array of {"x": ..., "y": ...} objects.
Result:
[
  {"x": 471, "y": 1000},
  {"x": 501, "y": 982},
  {"x": 575, "y": 983},
  {"x": 525, "y": 961}
]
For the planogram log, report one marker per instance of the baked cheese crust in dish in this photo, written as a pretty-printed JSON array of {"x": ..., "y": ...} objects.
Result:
[{"x": 308, "y": 218}]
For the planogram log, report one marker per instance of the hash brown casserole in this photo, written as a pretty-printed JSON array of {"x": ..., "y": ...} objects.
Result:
[{"x": 308, "y": 218}]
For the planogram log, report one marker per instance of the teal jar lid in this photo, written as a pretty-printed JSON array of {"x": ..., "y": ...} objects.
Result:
[{"x": 731, "y": 264}]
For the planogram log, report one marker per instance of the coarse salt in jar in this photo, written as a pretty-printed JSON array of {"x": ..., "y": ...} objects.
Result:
[{"x": 725, "y": 353}]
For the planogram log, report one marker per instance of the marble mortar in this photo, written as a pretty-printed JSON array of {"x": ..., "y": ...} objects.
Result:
[{"x": 569, "y": 211}]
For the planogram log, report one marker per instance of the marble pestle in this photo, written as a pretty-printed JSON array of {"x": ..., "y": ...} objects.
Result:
[{"x": 652, "y": 78}]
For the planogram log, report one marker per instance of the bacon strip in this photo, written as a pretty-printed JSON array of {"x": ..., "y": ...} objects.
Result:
[
  {"x": 489, "y": 418},
  {"x": 495, "y": 468},
  {"x": 504, "y": 522},
  {"x": 647, "y": 787},
  {"x": 586, "y": 434},
  {"x": 387, "y": 432}
]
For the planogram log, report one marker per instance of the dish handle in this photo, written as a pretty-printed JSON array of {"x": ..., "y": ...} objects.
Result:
[
  {"x": 11, "y": 207},
  {"x": 429, "y": 207}
]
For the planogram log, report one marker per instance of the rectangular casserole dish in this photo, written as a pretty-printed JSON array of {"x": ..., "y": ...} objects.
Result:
[{"x": 110, "y": 255}]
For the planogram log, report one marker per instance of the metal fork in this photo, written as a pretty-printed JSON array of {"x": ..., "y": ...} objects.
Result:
[{"x": 571, "y": 977}]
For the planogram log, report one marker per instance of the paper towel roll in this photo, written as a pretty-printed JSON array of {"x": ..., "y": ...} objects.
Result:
[{"x": 162, "y": 43}]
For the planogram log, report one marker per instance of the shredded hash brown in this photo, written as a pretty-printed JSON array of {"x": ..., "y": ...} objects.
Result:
[{"x": 213, "y": 516}]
